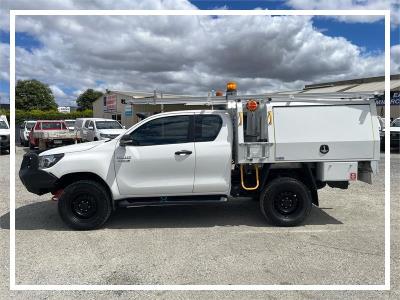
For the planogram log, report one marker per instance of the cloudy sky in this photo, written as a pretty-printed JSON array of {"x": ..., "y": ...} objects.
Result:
[{"x": 194, "y": 54}]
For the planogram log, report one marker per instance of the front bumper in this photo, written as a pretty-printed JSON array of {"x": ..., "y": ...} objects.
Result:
[
  {"x": 35, "y": 180},
  {"x": 4, "y": 142}
]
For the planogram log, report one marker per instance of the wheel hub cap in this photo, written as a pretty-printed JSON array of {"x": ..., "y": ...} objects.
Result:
[
  {"x": 84, "y": 206},
  {"x": 286, "y": 203}
]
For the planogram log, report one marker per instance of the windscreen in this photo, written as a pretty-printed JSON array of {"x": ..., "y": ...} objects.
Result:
[
  {"x": 3, "y": 125},
  {"x": 70, "y": 123},
  {"x": 30, "y": 125},
  {"x": 53, "y": 125},
  {"x": 108, "y": 125}
]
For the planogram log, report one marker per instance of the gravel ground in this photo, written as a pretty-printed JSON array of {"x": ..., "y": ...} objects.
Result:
[{"x": 341, "y": 243}]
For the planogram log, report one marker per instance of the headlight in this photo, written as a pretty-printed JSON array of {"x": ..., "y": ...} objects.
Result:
[{"x": 47, "y": 161}]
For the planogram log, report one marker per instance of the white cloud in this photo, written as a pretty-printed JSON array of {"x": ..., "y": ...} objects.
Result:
[
  {"x": 88, "y": 4},
  {"x": 57, "y": 92},
  {"x": 188, "y": 54},
  {"x": 4, "y": 61},
  {"x": 395, "y": 59},
  {"x": 393, "y": 5}
]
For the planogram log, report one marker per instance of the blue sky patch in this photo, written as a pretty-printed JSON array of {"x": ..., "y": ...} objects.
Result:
[{"x": 27, "y": 41}]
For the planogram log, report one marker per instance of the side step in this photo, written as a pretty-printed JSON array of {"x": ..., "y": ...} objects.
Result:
[{"x": 173, "y": 200}]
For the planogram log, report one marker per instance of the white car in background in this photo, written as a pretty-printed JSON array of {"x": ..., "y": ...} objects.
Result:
[
  {"x": 96, "y": 129},
  {"x": 24, "y": 131},
  {"x": 4, "y": 134}
]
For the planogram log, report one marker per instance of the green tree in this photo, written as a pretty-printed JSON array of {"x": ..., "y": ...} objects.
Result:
[
  {"x": 33, "y": 94},
  {"x": 86, "y": 99}
]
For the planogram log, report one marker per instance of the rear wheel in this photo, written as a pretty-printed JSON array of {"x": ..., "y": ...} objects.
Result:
[
  {"x": 286, "y": 202},
  {"x": 84, "y": 205}
]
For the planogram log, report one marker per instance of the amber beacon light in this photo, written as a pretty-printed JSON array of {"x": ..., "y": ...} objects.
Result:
[{"x": 231, "y": 86}]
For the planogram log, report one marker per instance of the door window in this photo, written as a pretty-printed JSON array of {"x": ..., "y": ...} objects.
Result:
[
  {"x": 91, "y": 124},
  {"x": 161, "y": 131},
  {"x": 207, "y": 127},
  {"x": 86, "y": 124}
]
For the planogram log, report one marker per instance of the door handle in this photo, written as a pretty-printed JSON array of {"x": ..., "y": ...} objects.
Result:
[{"x": 183, "y": 152}]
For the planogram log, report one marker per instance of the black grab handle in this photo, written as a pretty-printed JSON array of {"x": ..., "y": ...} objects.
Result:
[{"x": 183, "y": 152}]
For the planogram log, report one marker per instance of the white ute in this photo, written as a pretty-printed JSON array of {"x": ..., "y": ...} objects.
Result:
[{"x": 278, "y": 149}]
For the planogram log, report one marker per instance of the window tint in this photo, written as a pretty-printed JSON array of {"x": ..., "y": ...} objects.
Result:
[
  {"x": 108, "y": 125},
  {"x": 207, "y": 127},
  {"x": 168, "y": 130},
  {"x": 52, "y": 125},
  {"x": 87, "y": 124}
]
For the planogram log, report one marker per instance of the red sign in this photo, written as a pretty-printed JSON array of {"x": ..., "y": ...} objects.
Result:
[
  {"x": 353, "y": 176},
  {"x": 111, "y": 103}
]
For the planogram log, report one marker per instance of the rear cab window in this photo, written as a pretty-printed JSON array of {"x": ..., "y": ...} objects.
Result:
[
  {"x": 207, "y": 127},
  {"x": 53, "y": 125}
]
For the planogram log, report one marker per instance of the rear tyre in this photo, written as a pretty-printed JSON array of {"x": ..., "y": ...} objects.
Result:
[
  {"x": 286, "y": 202},
  {"x": 85, "y": 205}
]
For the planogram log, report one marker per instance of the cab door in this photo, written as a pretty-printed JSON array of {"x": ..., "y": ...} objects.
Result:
[
  {"x": 213, "y": 143},
  {"x": 159, "y": 159}
]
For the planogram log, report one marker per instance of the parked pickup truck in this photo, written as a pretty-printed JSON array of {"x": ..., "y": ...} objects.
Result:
[
  {"x": 277, "y": 149},
  {"x": 49, "y": 133}
]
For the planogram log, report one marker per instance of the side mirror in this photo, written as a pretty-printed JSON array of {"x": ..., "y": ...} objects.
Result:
[
  {"x": 125, "y": 140},
  {"x": 123, "y": 127},
  {"x": 90, "y": 127}
]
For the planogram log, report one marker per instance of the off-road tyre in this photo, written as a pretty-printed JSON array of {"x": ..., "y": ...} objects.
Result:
[
  {"x": 85, "y": 205},
  {"x": 286, "y": 202}
]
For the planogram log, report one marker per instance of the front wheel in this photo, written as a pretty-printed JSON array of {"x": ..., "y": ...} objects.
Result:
[
  {"x": 84, "y": 205},
  {"x": 286, "y": 202}
]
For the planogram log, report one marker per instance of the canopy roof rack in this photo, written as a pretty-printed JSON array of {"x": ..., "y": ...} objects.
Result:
[{"x": 221, "y": 100}]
